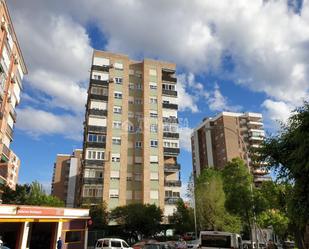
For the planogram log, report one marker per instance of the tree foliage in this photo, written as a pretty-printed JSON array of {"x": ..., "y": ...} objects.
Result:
[
  {"x": 99, "y": 216},
  {"x": 210, "y": 204},
  {"x": 33, "y": 194},
  {"x": 288, "y": 154},
  {"x": 138, "y": 219},
  {"x": 183, "y": 218}
]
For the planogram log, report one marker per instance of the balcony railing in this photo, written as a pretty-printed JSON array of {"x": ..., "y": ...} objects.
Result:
[
  {"x": 170, "y": 135},
  {"x": 98, "y": 163},
  {"x": 174, "y": 151},
  {"x": 98, "y": 129},
  {"x": 169, "y": 92},
  {"x": 262, "y": 178},
  {"x": 93, "y": 180},
  {"x": 172, "y": 183},
  {"x": 95, "y": 144},
  {"x": 170, "y": 120},
  {"x": 170, "y": 106},
  {"x": 6, "y": 151},
  {"x": 9, "y": 131},
  {"x": 13, "y": 113},
  {"x": 171, "y": 167},
  {"x": 103, "y": 68},
  {"x": 166, "y": 77},
  {"x": 98, "y": 97},
  {"x": 98, "y": 112},
  {"x": 99, "y": 82},
  {"x": 171, "y": 200}
]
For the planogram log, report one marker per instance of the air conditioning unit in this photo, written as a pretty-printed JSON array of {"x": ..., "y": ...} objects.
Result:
[{"x": 111, "y": 80}]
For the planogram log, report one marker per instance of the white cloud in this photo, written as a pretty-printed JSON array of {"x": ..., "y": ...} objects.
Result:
[
  {"x": 38, "y": 122},
  {"x": 185, "y": 138}
]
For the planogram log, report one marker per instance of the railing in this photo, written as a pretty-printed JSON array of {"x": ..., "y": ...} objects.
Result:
[
  {"x": 170, "y": 120},
  {"x": 171, "y": 200},
  {"x": 170, "y": 134},
  {"x": 262, "y": 178},
  {"x": 100, "y": 68},
  {"x": 98, "y": 112},
  {"x": 6, "y": 151},
  {"x": 99, "y": 97},
  {"x": 171, "y": 167},
  {"x": 98, "y": 163},
  {"x": 99, "y": 129},
  {"x": 9, "y": 131},
  {"x": 93, "y": 180},
  {"x": 170, "y": 106},
  {"x": 95, "y": 144},
  {"x": 171, "y": 150},
  {"x": 88, "y": 200},
  {"x": 171, "y": 183},
  {"x": 168, "y": 78},
  {"x": 169, "y": 92},
  {"x": 99, "y": 82}
]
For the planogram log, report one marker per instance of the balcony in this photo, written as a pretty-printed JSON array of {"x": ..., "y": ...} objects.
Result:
[
  {"x": 93, "y": 180},
  {"x": 257, "y": 123},
  {"x": 98, "y": 97},
  {"x": 9, "y": 131},
  {"x": 97, "y": 112},
  {"x": 170, "y": 120},
  {"x": 170, "y": 135},
  {"x": 171, "y": 200},
  {"x": 99, "y": 82},
  {"x": 98, "y": 163},
  {"x": 262, "y": 179},
  {"x": 95, "y": 144},
  {"x": 168, "y": 78},
  {"x": 90, "y": 200},
  {"x": 13, "y": 113},
  {"x": 102, "y": 68},
  {"x": 6, "y": 151},
  {"x": 169, "y": 92},
  {"x": 170, "y": 106},
  {"x": 172, "y": 151},
  {"x": 257, "y": 138},
  {"x": 97, "y": 129},
  {"x": 171, "y": 168},
  {"x": 170, "y": 183}
]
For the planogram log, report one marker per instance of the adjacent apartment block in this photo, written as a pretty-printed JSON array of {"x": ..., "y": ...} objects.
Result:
[
  {"x": 131, "y": 139},
  {"x": 66, "y": 177},
  {"x": 12, "y": 70},
  {"x": 228, "y": 135}
]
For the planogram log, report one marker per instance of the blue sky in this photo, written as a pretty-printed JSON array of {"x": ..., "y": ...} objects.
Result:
[{"x": 234, "y": 55}]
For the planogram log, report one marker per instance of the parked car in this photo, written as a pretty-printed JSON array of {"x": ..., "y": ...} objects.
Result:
[
  {"x": 112, "y": 243},
  {"x": 214, "y": 239},
  {"x": 193, "y": 244},
  {"x": 157, "y": 245},
  {"x": 141, "y": 243},
  {"x": 247, "y": 244}
]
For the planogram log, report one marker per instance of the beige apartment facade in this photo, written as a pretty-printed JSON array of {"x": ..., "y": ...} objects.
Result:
[
  {"x": 66, "y": 177},
  {"x": 12, "y": 70},
  {"x": 131, "y": 139},
  {"x": 228, "y": 135}
]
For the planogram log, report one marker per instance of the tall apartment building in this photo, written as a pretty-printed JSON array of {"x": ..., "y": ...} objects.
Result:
[
  {"x": 12, "y": 70},
  {"x": 228, "y": 135},
  {"x": 66, "y": 177},
  {"x": 131, "y": 139}
]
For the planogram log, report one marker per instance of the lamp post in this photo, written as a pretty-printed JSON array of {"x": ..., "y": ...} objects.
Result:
[{"x": 251, "y": 185}]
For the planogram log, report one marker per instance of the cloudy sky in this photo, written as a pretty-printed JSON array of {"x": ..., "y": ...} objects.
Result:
[{"x": 235, "y": 55}]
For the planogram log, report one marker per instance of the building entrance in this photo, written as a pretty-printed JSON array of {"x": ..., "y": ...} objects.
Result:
[{"x": 41, "y": 235}]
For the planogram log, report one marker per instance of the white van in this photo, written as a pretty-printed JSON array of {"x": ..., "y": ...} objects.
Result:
[
  {"x": 111, "y": 243},
  {"x": 214, "y": 239}
]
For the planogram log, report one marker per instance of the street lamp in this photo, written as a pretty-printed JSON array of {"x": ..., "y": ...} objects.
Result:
[{"x": 251, "y": 185}]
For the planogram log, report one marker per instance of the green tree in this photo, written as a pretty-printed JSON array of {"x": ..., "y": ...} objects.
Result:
[
  {"x": 99, "y": 216},
  {"x": 210, "y": 204},
  {"x": 183, "y": 218},
  {"x": 288, "y": 154},
  {"x": 238, "y": 190},
  {"x": 138, "y": 219},
  {"x": 33, "y": 194}
]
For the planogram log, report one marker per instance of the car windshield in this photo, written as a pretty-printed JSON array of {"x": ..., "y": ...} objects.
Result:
[{"x": 221, "y": 241}]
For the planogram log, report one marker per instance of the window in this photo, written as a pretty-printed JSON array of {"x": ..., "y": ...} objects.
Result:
[
  {"x": 154, "y": 143},
  {"x": 115, "y": 158},
  {"x": 116, "y": 140},
  {"x": 130, "y": 128},
  {"x": 153, "y": 114},
  {"x": 153, "y": 86},
  {"x": 153, "y": 72},
  {"x": 154, "y": 128},
  {"x": 115, "y": 174},
  {"x": 73, "y": 236},
  {"x": 118, "y": 80},
  {"x": 153, "y": 100},
  {"x": 129, "y": 177},
  {"x": 99, "y": 90},
  {"x": 131, "y": 72},
  {"x": 97, "y": 77},
  {"x": 138, "y": 144},
  {"x": 118, "y": 95},
  {"x": 113, "y": 193},
  {"x": 96, "y": 138},
  {"x": 95, "y": 155},
  {"x": 115, "y": 243},
  {"x": 137, "y": 176},
  {"x": 139, "y": 115},
  {"x": 169, "y": 87},
  {"x": 118, "y": 65},
  {"x": 139, "y": 86},
  {"x": 117, "y": 109},
  {"x": 138, "y": 101},
  {"x": 117, "y": 124},
  {"x": 130, "y": 114},
  {"x": 131, "y": 86}
]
